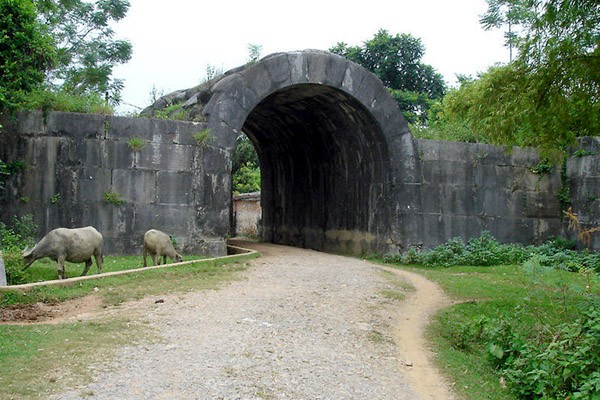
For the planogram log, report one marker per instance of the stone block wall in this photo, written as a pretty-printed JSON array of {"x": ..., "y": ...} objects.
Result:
[
  {"x": 583, "y": 178},
  {"x": 468, "y": 188},
  {"x": 438, "y": 190},
  {"x": 72, "y": 160}
]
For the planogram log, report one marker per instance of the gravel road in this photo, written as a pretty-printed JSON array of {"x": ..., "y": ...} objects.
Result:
[{"x": 299, "y": 325}]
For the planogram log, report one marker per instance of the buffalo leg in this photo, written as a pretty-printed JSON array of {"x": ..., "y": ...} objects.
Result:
[
  {"x": 99, "y": 260},
  {"x": 145, "y": 255},
  {"x": 61, "y": 268},
  {"x": 88, "y": 264}
]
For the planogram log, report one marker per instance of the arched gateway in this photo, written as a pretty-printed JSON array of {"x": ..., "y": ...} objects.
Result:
[
  {"x": 340, "y": 170},
  {"x": 330, "y": 140}
]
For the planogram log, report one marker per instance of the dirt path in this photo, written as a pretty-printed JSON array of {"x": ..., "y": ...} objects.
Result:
[{"x": 300, "y": 325}]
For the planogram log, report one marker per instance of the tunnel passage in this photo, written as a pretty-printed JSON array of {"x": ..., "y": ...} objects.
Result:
[
  {"x": 324, "y": 165},
  {"x": 338, "y": 163}
]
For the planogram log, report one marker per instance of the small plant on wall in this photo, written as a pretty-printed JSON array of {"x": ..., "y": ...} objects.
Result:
[
  {"x": 136, "y": 144},
  {"x": 113, "y": 198},
  {"x": 202, "y": 137}
]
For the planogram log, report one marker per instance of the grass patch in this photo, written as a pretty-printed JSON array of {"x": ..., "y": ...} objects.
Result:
[
  {"x": 136, "y": 144},
  {"x": 202, "y": 137},
  {"x": 113, "y": 198},
  {"x": 205, "y": 274},
  {"x": 39, "y": 360},
  {"x": 397, "y": 289},
  {"x": 502, "y": 306}
]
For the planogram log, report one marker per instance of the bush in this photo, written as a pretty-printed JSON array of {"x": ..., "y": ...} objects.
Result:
[
  {"x": 559, "y": 364},
  {"x": 486, "y": 251},
  {"x": 61, "y": 100},
  {"x": 12, "y": 242}
]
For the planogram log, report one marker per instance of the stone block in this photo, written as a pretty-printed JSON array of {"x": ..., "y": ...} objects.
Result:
[
  {"x": 446, "y": 172},
  {"x": 116, "y": 155},
  {"x": 75, "y": 125},
  {"x": 322, "y": 69},
  {"x": 455, "y": 200},
  {"x": 493, "y": 176},
  {"x": 489, "y": 154},
  {"x": 171, "y": 219},
  {"x": 135, "y": 186},
  {"x": 92, "y": 183},
  {"x": 164, "y": 157},
  {"x": 174, "y": 187},
  {"x": 258, "y": 81},
  {"x": 583, "y": 166},
  {"x": 298, "y": 67},
  {"x": 540, "y": 204}
]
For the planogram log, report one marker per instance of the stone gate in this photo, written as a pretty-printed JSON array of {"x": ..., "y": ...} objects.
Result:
[{"x": 340, "y": 170}]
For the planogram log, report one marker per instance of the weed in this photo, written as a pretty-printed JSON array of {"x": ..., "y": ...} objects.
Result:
[
  {"x": 173, "y": 112},
  {"x": 583, "y": 234},
  {"x": 544, "y": 167},
  {"x": 113, "y": 198},
  {"x": 55, "y": 198},
  {"x": 203, "y": 137},
  {"x": 136, "y": 144}
]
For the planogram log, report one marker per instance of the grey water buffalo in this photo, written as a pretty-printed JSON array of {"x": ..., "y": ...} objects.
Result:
[
  {"x": 158, "y": 244},
  {"x": 72, "y": 245}
]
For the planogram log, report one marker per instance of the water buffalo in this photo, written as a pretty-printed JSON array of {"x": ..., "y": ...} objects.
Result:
[
  {"x": 72, "y": 245},
  {"x": 158, "y": 244}
]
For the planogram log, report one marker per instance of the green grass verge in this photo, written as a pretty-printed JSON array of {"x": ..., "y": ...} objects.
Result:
[
  {"x": 37, "y": 360},
  {"x": 42, "y": 359},
  {"x": 531, "y": 301},
  {"x": 115, "y": 289}
]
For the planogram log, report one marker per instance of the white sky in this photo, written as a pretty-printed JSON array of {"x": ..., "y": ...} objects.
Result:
[{"x": 174, "y": 41}]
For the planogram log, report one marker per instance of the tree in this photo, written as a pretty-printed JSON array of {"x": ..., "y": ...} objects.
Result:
[
  {"x": 245, "y": 168},
  {"x": 26, "y": 52},
  {"x": 396, "y": 60},
  {"x": 546, "y": 97},
  {"x": 557, "y": 68},
  {"x": 87, "y": 51}
]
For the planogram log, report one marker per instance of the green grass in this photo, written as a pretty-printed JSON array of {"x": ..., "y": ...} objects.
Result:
[
  {"x": 36, "y": 360},
  {"x": 114, "y": 289},
  {"x": 397, "y": 288},
  {"x": 532, "y": 301},
  {"x": 46, "y": 269}
]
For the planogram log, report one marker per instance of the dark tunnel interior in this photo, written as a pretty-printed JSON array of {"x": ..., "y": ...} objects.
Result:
[{"x": 324, "y": 166}]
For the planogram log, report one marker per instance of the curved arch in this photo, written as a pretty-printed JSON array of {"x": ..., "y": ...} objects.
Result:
[{"x": 326, "y": 132}]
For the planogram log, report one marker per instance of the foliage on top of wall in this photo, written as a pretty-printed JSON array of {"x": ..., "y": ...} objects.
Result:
[{"x": 174, "y": 111}]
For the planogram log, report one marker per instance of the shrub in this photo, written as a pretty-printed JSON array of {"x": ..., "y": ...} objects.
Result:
[
  {"x": 12, "y": 242},
  {"x": 486, "y": 251},
  {"x": 60, "y": 100},
  {"x": 559, "y": 364}
]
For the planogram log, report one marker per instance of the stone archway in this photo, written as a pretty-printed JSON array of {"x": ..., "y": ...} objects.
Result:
[{"x": 327, "y": 134}]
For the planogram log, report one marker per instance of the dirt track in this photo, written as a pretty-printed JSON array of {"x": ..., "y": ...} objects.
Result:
[{"x": 300, "y": 325}]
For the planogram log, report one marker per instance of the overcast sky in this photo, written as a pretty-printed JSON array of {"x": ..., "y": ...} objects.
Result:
[{"x": 174, "y": 41}]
